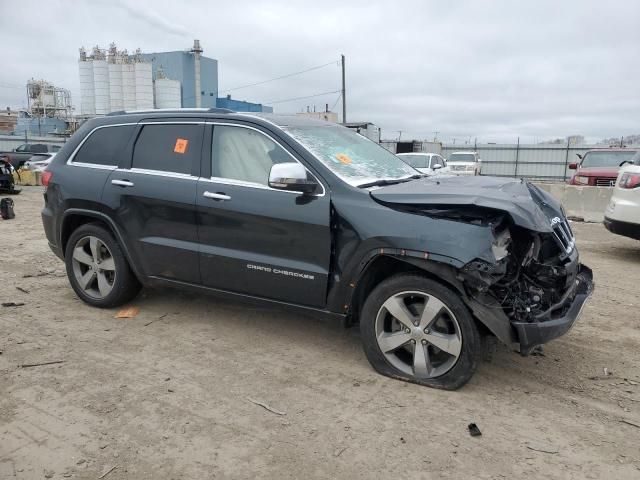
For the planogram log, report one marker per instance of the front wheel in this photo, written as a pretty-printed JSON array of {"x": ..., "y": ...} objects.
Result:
[{"x": 418, "y": 330}]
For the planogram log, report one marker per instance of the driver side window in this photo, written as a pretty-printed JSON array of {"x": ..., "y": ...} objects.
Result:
[{"x": 243, "y": 154}]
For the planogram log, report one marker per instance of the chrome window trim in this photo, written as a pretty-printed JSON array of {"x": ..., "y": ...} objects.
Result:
[
  {"x": 158, "y": 173},
  {"x": 242, "y": 183},
  {"x": 94, "y": 165}
]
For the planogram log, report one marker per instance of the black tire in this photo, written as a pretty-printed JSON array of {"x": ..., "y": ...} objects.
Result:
[
  {"x": 125, "y": 284},
  {"x": 470, "y": 351}
]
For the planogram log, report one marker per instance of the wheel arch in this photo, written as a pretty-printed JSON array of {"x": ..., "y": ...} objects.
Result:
[
  {"x": 383, "y": 266},
  {"x": 75, "y": 217}
]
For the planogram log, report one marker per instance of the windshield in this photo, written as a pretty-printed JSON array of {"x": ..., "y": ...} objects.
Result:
[
  {"x": 605, "y": 159},
  {"x": 416, "y": 161},
  {"x": 462, "y": 157},
  {"x": 354, "y": 158}
]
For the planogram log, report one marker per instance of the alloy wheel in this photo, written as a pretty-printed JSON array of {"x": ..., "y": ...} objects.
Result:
[
  {"x": 418, "y": 334},
  {"x": 94, "y": 267}
]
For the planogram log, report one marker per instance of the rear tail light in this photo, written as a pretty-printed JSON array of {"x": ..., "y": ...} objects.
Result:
[
  {"x": 46, "y": 178},
  {"x": 629, "y": 180}
]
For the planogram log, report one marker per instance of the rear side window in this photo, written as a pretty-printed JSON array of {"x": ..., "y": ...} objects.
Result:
[
  {"x": 103, "y": 145},
  {"x": 168, "y": 148}
]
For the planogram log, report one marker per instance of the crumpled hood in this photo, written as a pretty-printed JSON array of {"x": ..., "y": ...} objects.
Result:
[{"x": 528, "y": 206}]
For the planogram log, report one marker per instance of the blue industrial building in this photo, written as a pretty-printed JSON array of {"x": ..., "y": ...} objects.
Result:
[
  {"x": 242, "y": 106},
  {"x": 180, "y": 65}
]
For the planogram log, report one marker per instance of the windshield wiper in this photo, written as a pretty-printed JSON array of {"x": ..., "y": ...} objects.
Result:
[{"x": 390, "y": 181}]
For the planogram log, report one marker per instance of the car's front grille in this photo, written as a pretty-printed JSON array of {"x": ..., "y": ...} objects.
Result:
[
  {"x": 606, "y": 181},
  {"x": 564, "y": 235},
  {"x": 458, "y": 167}
]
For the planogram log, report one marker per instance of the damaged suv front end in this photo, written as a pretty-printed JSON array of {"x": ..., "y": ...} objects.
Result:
[
  {"x": 428, "y": 265},
  {"x": 528, "y": 287}
]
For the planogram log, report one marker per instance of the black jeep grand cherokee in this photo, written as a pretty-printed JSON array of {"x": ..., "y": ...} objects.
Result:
[{"x": 311, "y": 215}]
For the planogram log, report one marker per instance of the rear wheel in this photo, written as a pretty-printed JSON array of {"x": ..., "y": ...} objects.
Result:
[
  {"x": 97, "y": 269},
  {"x": 418, "y": 330}
]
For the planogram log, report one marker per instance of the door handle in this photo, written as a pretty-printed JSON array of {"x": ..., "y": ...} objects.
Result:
[
  {"x": 122, "y": 183},
  {"x": 216, "y": 196}
]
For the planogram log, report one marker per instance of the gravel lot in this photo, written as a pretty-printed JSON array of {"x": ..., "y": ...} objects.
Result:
[{"x": 167, "y": 394}]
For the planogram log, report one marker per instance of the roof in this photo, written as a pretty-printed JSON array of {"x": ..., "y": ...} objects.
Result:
[{"x": 134, "y": 116}]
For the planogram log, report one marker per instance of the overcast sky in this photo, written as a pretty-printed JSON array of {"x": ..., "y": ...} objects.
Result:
[{"x": 493, "y": 70}]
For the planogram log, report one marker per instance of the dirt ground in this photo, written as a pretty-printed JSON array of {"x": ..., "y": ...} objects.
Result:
[{"x": 166, "y": 395}]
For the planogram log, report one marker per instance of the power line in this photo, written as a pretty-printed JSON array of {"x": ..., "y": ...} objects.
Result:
[
  {"x": 300, "y": 98},
  {"x": 278, "y": 78},
  {"x": 336, "y": 102}
]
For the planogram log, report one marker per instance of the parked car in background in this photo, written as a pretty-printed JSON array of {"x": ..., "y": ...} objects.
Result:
[
  {"x": 24, "y": 152},
  {"x": 622, "y": 215},
  {"x": 599, "y": 167},
  {"x": 38, "y": 162},
  {"x": 465, "y": 163},
  {"x": 429, "y": 163}
]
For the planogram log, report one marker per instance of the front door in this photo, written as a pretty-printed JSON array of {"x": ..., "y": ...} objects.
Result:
[
  {"x": 153, "y": 199},
  {"x": 256, "y": 240}
]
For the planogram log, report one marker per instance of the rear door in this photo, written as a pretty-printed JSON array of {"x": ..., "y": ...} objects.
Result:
[
  {"x": 152, "y": 198},
  {"x": 254, "y": 239}
]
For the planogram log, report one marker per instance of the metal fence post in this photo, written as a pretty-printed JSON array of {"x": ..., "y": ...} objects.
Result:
[
  {"x": 566, "y": 162},
  {"x": 515, "y": 173}
]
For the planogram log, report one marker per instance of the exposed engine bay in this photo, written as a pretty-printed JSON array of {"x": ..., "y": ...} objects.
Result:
[
  {"x": 524, "y": 281},
  {"x": 534, "y": 272}
]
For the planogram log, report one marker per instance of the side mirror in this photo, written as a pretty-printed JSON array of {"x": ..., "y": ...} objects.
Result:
[
  {"x": 573, "y": 166},
  {"x": 436, "y": 166},
  {"x": 291, "y": 177},
  {"x": 479, "y": 160}
]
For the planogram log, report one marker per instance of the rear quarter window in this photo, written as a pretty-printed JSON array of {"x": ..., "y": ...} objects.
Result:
[
  {"x": 103, "y": 145},
  {"x": 168, "y": 148}
]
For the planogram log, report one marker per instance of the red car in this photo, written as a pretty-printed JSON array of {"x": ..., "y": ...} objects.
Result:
[{"x": 600, "y": 167}]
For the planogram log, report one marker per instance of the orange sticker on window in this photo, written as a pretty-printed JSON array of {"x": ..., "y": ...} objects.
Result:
[
  {"x": 346, "y": 159},
  {"x": 181, "y": 145}
]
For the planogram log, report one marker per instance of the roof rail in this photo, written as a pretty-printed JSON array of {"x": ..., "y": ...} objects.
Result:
[{"x": 171, "y": 110}]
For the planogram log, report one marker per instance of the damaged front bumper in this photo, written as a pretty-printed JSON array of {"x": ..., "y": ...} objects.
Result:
[{"x": 559, "y": 319}]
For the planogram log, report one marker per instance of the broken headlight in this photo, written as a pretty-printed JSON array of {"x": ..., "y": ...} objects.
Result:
[{"x": 500, "y": 245}]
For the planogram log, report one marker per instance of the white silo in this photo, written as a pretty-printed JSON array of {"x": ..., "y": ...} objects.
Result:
[
  {"x": 115, "y": 87},
  {"x": 144, "y": 85},
  {"x": 101, "y": 86},
  {"x": 167, "y": 93},
  {"x": 129, "y": 86},
  {"x": 87, "y": 97}
]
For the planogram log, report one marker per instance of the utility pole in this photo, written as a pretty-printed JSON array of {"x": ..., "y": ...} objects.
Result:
[
  {"x": 399, "y": 134},
  {"x": 435, "y": 136},
  {"x": 344, "y": 95}
]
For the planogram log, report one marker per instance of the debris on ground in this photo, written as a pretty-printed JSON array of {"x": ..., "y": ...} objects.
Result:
[
  {"x": 538, "y": 352},
  {"x": 630, "y": 423},
  {"x": 12, "y": 304},
  {"x": 542, "y": 448},
  {"x": 23, "y": 290},
  {"x": 27, "y": 365},
  {"x": 128, "y": 312},
  {"x": 474, "y": 431},
  {"x": 339, "y": 452},
  {"x": 108, "y": 472},
  {"x": 606, "y": 371},
  {"x": 266, "y": 407}
]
